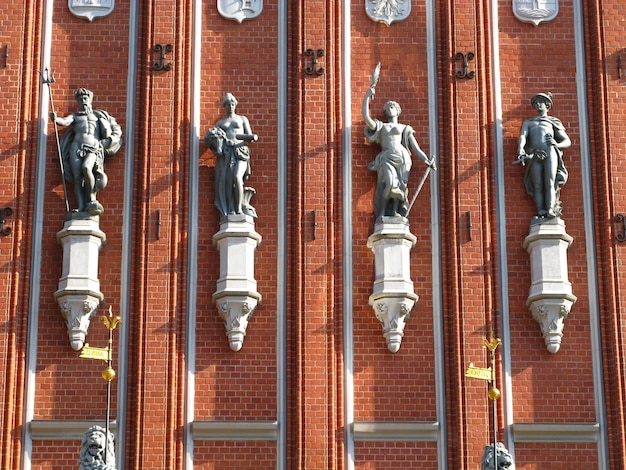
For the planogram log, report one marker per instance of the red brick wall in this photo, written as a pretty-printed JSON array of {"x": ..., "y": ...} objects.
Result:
[
  {"x": 605, "y": 48},
  {"x": 18, "y": 130},
  {"x": 391, "y": 387},
  {"x": 546, "y": 388},
  {"x": 242, "y": 385},
  {"x": 314, "y": 196},
  {"x": 469, "y": 246},
  {"x": 242, "y": 59}
]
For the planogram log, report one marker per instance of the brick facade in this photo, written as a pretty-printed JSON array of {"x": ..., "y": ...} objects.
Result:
[{"x": 314, "y": 386}]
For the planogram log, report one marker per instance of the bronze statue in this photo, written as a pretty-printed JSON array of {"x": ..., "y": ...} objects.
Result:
[
  {"x": 540, "y": 148},
  {"x": 229, "y": 142},
  {"x": 393, "y": 163},
  {"x": 92, "y": 136}
]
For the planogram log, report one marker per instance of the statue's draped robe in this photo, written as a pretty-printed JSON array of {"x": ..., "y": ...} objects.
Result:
[
  {"x": 396, "y": 163},
  {"x": 227, "y": 157}
]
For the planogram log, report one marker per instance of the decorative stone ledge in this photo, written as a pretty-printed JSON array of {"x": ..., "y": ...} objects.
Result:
[
  {"x": 59, "y": 430},
  {"x": 559, "y": 432},
  {"x": 235, "y": 430},
  {"x": 405, "y": 431}
]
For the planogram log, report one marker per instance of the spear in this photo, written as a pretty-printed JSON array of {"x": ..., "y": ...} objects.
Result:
[{"x": 48, "y": 79}]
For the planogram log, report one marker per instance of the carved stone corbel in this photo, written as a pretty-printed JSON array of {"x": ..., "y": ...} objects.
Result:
[
  {"x": 79, "y": 293},
  {"x": 236, "y": 296},
  {"x": 551, "y": 297},
  {"x": 393, "y": 297}
]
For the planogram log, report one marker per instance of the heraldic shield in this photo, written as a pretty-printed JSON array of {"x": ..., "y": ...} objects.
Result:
[
  {"x": 535, "y": 11},
  {"x": 91, "y": 9},
  {"x": 387, "y": 11},
  {"x": 239, "y": 10}
]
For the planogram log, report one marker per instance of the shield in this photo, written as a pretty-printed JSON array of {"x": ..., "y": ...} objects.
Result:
[
  {"x": 91, "y": 9},
  {"x": 535, "y": 11},
  {"x": 239, "y": 10},
  {"x": 388, "y": 11}
]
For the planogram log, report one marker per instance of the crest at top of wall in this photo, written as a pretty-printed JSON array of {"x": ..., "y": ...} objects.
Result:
[
  {"x": 91, "y": 9},
  {"x": 239, "y": 10},
  {"x": 535, "y": 11},
  {"x": 387, "y": 11}
]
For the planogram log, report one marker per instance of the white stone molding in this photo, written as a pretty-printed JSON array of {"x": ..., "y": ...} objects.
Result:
[
  {"x": 551, "y": 297},
  {"x": 79, "y": 293},
  {"x": 239, "y": 10},
  {"x": 236, "y": 296},
  {"x": 387, "y": 11},
  {"x": 393, "y": 297},
  {"x": 235, "y": 430}
]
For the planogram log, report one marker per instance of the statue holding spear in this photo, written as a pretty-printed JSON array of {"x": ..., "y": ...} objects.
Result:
[
  {"x": 92, "y": 136},
  {"x": 393, "y": 163}
]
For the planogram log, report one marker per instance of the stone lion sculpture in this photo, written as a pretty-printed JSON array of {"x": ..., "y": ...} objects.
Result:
[
  {"x": 505, "y": 460},
  {"x": 96, "y": 451}
]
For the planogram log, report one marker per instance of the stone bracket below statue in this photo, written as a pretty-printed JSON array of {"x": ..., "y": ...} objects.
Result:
[
  {"x": 393, "y": 297},
  {"x": 551, "y": 298},
  {"x": 236, "y": 297},
  {"x": 79, "y": 293},
  {"x": 236, "y": 310},
  {"x": 393, "y": 312}
]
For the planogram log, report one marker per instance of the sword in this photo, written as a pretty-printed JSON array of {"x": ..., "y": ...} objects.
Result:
[
  {"x": 374, "y": 79},
  {"x": 419, "y": 187}
]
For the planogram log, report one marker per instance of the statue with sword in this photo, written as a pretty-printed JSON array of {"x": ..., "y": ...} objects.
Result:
[{"x": 393, "y": 162}]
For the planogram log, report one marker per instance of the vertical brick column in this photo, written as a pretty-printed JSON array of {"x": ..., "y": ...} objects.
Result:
[
  {"x": 468, "y": 211},
  {"x": 606, "y": 31},
  {"x": 18, "y": 143},
  {"x": 314, "y": 311},
  {"x": 157, "y": 312}
]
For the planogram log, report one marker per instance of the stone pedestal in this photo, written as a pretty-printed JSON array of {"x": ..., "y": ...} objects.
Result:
[
  {"x": 551, "y": 296},
  {"x": 79, "y": 293},
  {"x": 236, "y": 296},
  {"x": 393, "y": 296}
]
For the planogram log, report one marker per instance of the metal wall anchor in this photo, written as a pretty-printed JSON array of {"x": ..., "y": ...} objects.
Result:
[
  {"x": 162, "y": 50},
  {"x": 622, "y": 220},
  {"x": 463, "y": 73},
  {"x": 4, "y": 213},
  {"x": 313, "y": 69}
]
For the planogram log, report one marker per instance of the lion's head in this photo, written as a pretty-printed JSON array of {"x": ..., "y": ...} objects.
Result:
[
  {"x": 94, "y": 447},
  {"x": 505, "y": 460}
]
